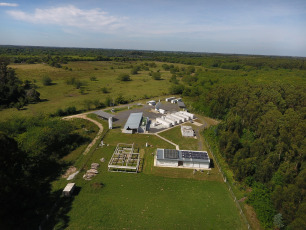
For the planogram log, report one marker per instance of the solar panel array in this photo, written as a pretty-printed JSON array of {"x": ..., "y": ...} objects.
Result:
[
  {"x": 171, "y": 154},
  {"x": 195, "y": 155}
]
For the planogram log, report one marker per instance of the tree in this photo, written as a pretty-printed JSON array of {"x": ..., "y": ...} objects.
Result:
[{"x": 278, "y": 221}]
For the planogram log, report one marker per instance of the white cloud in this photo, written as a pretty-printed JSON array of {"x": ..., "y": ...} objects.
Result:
[
  {"x": 71, "y": 16},
  {"x": 8, "y": 4}
]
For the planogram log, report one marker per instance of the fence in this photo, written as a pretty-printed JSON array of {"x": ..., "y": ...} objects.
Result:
[{"x": 228, "y": 185}]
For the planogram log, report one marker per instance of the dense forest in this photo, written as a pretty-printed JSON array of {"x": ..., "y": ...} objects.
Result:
[
  {"x": 262, "y": 138},
  {"x": 261, "y": 134}
]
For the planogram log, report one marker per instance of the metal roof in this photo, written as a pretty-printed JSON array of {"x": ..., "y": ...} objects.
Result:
[
  {"x": 103, "y": 114},
  {"x": 133, "y": 121},
  {"x": 181, "y": 104}
]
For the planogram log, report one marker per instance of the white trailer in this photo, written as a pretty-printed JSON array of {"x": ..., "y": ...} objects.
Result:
[
  {"x": 172, "y": 121},
  {"x": 178, "y": 120},
  {"x": 183, "y": 118},
  {"x": 163, "y": 122},
  {"x": 183, "y": 115},
  {"x": 170, "y": 98},
  {"x": 173, "y": 101},
  {"x": 188, "y": 114}
]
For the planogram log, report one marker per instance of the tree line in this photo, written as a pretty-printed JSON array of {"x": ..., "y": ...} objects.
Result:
[{"x": 262, "y": 138}]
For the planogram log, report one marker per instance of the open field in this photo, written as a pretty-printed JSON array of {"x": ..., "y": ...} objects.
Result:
[
  {"x": 60, "y": 95},
  {"x": 175, "y": 136},
  {"x": 152, "y": 199}
]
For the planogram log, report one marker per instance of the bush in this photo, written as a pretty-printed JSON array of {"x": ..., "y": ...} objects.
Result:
[
  {"x": 124, "y": 77},
  {"x": 46, "y": 80},
  {"x": 93, "y": 78},
  {"x": 104, "y": 90},
  {"x": 156, "y": 75},
  {"x": 176, "y": 89},
  {"x": 71, "y": 81},
  {"x": 121, "y": 100}
]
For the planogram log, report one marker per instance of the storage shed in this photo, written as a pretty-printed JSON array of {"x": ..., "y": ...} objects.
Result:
[
  {"x": 187, "y": 131},
  {"x": 182, "y": 158},
  {"x": 181, "y": 104},
  {"x": 68, "y": 190}
]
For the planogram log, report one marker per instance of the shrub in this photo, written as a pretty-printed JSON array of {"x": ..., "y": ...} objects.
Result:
[
  {"x": 93, "y": 78},
  {"x": 156, "y": 75},
  {"x": 46, "y": 80},
  {"x": 104, "y": 90},
  {"x": 71, "y": 81},
  {"x": 120, "y": 100},
  {"x": 124, "y": 77}
]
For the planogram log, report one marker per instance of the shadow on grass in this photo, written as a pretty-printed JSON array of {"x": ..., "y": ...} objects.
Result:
[
  {"x": 58, "y": 218},
  {"x": 212, "y": 163}
]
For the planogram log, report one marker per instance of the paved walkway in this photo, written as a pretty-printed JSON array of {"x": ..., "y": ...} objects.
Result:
[{"x": 83, "y": 116}]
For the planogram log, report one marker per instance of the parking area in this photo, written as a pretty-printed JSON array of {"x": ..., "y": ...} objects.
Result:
[{"x": 147, "y": 110}]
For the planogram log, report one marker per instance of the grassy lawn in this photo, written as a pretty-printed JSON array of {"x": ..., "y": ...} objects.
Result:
[
  {"x": 175, "y": 135},
  {"x": 156, "y": 198}
]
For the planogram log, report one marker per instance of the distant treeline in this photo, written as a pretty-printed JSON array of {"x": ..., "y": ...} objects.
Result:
[{"x": 32, "y": 54}]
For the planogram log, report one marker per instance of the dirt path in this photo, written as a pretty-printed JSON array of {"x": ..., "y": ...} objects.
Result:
[{"x": 83, "y": 116}]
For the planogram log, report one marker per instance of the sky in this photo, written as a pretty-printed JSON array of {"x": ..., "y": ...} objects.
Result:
[{"x": 266, "y": 27}]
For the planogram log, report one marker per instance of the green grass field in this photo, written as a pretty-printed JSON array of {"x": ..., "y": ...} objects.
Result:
[
  {"x": 60, "y": 95},
  {"x": 156, "y": 198},
  {"x": 175, "y": 136}
]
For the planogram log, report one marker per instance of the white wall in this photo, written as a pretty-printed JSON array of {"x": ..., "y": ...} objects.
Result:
[{"x": 166, "y": 163}]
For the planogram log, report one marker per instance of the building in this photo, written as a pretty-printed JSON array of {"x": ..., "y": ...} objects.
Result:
[
  {"x": 162, "y": 121},
  {"x": 182, "y": 158},
  {"x": 136, "y": 124},
  {"x": 185, "y": 113},
  {"x": 68, "y": 190},
  {"x": 152, "y": 103},
  {"x": 169, "y": 99},
  {"x": 103, "y": 115},
  {"x": 181, "y": 104},
  {"x": 187, "y": 131}
]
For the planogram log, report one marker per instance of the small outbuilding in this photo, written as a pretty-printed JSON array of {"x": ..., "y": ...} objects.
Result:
[
  {"x": 68, "y": 190},
  {"x": 152, "y": 103},
  {"x": 187, "y": 131},
  {"x": 181, "y": 104}
]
